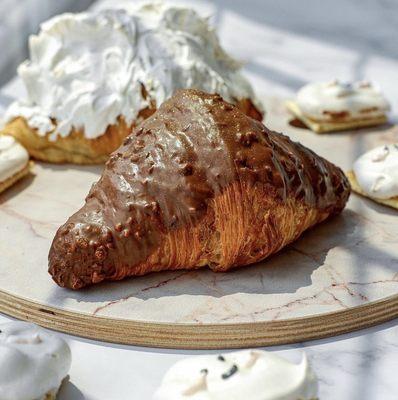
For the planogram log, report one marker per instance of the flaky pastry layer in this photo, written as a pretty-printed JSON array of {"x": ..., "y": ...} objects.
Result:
[
  {"x": 77, "y": 149},
  {"x": 333, "y": 126},
  {"x": 4, "y": 185}
]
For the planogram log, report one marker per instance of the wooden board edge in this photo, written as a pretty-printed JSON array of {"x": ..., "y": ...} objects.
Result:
[{"x": 201, "y": 336}]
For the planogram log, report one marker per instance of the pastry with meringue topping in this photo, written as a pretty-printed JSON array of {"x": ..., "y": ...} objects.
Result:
[
  {"x": 337, "y": 106},
  {"x": 93, "y": 76},
  {"x": 375, "y": 175},
  {"x": 14, "y": 162},
  {"x": 248, "y": 374},
  {"x": 33, "y": 362}
]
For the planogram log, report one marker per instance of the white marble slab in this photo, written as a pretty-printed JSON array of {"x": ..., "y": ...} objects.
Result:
[{"x": 345, "y": 262}]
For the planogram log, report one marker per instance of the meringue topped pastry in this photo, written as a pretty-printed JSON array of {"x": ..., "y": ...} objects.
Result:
[
  {"x": 375, "y": 174},
  {"x": 335, "y": 105},
  {"x": 33, "y": 362},
  {"x": 14, "y": 162},
  {"x": 249, "y": 374},
  {"x": 337, "y": 100},
  {"x": 93, "y": 70}
]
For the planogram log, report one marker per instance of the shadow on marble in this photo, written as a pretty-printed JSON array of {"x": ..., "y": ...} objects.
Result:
[
  {"x": 17, "y": 188},
  {"x": 341, "y": 23},
  {"x": 96, "y": 169},
  {"x": 296, "y": 123},
  {"x": 379, "y": 208},
  {"x": 362, "y": 132},
  {"x": 275, "y": 75},
  {"x": 285, "y": 272},
  {"x": 69, "y": 391}
]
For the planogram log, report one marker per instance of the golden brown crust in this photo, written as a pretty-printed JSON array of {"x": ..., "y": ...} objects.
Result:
[
  {"x": 16, "y": 177},
  {"x": 393, "y": 202},
  {"x": 342, "y": 124},
  {"x": 74, "y": 148},
  {"x": 257, "y": 226},
  {"x": 77, "y": 149}
]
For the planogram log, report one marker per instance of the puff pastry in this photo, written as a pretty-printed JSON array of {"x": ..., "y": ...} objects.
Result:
[
  {"x": 337, "y": 125},
  {"x": 391, "y": 202},
  {"x": 198, "y": 183},
  {"x": 375, "y": 175},
  {"x": 74, "y": 148},
  {"x": 336, "y": 106},
  {"x": 92, "y": 77},
  {"x": 14, "y": 162},
  {"x": 77, "y": 149}
]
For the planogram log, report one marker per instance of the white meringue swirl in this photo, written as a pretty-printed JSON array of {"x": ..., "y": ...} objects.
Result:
[
  {"x": 249, "y": 374},
  {"x": 377, "y": 172},
  {"x": 86, "y": 70}
]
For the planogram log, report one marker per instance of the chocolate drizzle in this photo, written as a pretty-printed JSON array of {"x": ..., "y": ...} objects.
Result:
[{"x": 164, "y": 176}]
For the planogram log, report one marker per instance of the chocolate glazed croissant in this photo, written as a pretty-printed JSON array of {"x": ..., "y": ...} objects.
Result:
[{"x": 198, "y": 183}]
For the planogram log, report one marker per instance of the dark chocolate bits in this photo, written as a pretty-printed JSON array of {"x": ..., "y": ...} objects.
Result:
[
  {"x": 100, "y": 253},
  {"x": 127, "y": 141},
  {"x": 126, "y": 233},
  {"x": 247, "y": 138},
  {"x": 187, "y": 169},
  {"x": 233, "y": 370}
]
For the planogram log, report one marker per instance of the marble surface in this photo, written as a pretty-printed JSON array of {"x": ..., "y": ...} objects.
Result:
[{"x": 285, "y": 45}]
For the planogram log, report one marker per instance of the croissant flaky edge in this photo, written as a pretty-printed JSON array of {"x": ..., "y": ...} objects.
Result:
[{"x": 198, "y": 183}]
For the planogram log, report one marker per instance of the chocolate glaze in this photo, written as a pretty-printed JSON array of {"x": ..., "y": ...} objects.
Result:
[{"x": 166, "y": 172}]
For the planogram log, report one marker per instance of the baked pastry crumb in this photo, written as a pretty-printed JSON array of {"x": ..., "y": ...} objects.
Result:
[
  {"x": 14, "y": 162},
  {"x": 336, "y": 126},
  {"x": 338, "y": 106},
  {"x": 15, "y": 178},
  {"x": 393, "y": 202}
]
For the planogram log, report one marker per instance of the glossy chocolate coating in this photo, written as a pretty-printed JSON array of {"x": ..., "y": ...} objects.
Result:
[{"x": 166, "y": 172}]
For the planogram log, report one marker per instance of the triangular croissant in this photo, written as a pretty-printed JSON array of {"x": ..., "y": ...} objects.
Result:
[{"x": 198, "y": 183}]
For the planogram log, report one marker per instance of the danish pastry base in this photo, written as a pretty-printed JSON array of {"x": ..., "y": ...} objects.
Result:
[
  {"x": 16, "y": 177},
  {"x": 77, "y": 149},
  {"x": 74, "y": 148},
  {"x": 333, "y": 126},
  {"x": 393, "y": 202}
]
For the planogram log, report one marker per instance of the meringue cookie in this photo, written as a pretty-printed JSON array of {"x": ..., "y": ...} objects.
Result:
[
  {"x": 13, "y": 157},
  {"x": 325, "y": 101},
  {"x": 33, "y": 362},
  {"x": 86, "y": 70},
  {"x": 377, "y": 172},
  {"x": 249, "y": 374}
]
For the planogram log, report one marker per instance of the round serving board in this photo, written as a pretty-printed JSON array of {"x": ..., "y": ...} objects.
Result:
[{"x": 340, "y": 276}]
